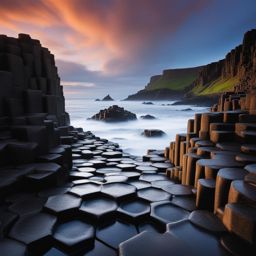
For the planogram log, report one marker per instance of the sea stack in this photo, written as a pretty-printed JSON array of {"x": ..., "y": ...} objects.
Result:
[
  {"x": 114, "y": 114},
  {"x": 107, "y": 98}
]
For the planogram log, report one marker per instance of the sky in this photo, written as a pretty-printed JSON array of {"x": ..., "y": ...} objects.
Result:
[{"x": 114, "y": 46}]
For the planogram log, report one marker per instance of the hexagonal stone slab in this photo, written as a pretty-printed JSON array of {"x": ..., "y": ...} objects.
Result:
[
  {"x": 162, "y": 166},
  {"x": 126, "y": 167},
  {"x": 146, "y": 169},
  {"x": 153, "y": 194},
  {"x": 87, "y": 189},
  {"x": 161, "y": 183},
  {"x": 153, "y": 177},
  {"x": 118, "y": 190},
  {"x": 34, "y": 230},
  {"x": 62, "y": 204},
  {"x": 80, "y": 175},
  {"x": 115, "y": 178},
  {"x": 198, "y": 241},
  {"x": 207, "y": 221},
  {"x": 166, "y": 212},
  {"x": 98, "y": 207},
  {"x": 87, "y": 169},
  {"x": 140, "y": 184},
  {"x": 74, "y": 235},
  {"x": 153, "y": 244},
  {"x": 134, "y": 209},
  {"x": 107, "y": 170},
  {"x": 98, "y": 163},
  {"x": 12, "y": 247},
  {"x": 131, "y": 175},
  {"x": 115, "y": 233},
  {"x": 112, "y": 154},
  {"x": 178, "y": 190},
  {"x": 186, "y": 202}
]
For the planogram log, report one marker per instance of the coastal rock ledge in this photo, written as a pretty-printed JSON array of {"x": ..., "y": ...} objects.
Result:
[{"x": 114, "y": 114}]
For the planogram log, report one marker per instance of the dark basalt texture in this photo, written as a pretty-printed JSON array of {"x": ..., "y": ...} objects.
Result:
[
  {"x": 114, "y": 114},
  {"x": 67, "y": 199},
  {"x": 107, "y": 98},
  {"x": 148, "y": 117},
  {"x": 153, "y": 133}
]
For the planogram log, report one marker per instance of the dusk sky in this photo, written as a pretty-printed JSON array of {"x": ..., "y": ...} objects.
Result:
[{"x": 114, "y": 46}]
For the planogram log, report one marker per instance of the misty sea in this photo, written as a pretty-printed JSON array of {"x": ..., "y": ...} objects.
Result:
[{"x": 170, "y": 119}]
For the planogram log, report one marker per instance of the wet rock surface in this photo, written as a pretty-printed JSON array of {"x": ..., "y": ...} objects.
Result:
[
  {"x": 148, "y": 117},
  {"x": 96, "y": 215},
  {"x": 153, "y": 133},
  {"x": 114, "y": 114}
]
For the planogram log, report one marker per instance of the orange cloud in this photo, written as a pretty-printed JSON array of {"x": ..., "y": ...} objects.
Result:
[{"x": 107, "y": 35}]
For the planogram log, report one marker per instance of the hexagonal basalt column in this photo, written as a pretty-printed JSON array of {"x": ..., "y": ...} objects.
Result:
[
  {"x": 34, "y": 231},
  {"x": 74, "y": 235},
  {"x": 134, "y": 210},
  {"x": 196, "y": 239},
  {"x": 62, "y": 205},
  {"x": 166, "y": 212},
  {"x": 118, "y": 190},
  {"x": 99, "y": 208},
  {"x": 153, "y": 177},
  {"x": 104, "y": 171},
  {"x": 178, "y": 189},
  {"x": 153, "y": 194},
  {"x": 86, "y": 190},
  {"x": 140, "y": 184}
]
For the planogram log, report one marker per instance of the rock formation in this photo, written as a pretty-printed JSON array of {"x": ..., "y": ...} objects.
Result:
[
  {"x": 114, "y": 114},
  {"x": 147, "y": 117},
  {"x": 153, "y": 133},
  {"x": 107, "y": 98},
  {"x": 216, "y": 157},
  {"x": 238, "y": 67},
  {"x": 33, "y": 121},
  {"x": 168, "y": 86}
]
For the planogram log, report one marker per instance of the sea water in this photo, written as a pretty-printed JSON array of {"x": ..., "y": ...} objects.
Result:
[{"x": 169, "y": 118}]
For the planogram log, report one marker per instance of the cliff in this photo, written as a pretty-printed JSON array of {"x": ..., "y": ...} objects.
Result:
[
  {"x": 169, "y": 85},
  {"x": 33, "y": 120},
  {"x": 237, "y": 69}
]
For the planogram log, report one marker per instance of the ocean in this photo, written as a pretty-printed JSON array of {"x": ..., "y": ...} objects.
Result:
[{"x": 170, "y": 119}]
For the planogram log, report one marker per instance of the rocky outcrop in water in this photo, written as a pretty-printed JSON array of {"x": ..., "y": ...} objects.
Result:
[
  {"x": 153, "y": 133},
  {"x": 114, "y": 114},
  {"x": 107, "y": 98},
  {"x": 147, "y": 117}
]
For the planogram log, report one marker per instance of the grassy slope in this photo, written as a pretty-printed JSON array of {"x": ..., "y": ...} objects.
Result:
[
  {"x": 176, "y": 80},
  {"x": 216, "y": 86}
]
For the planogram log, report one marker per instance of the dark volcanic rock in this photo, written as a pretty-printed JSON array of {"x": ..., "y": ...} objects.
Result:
[
  {"x": 148, "y": 103},
  {"x": 147, "y": 117},
  {"x": 114, "y": 114},
  {"x": 97, "y": 99},
  {"x": 153, "y": 133},
  {"x": 107, "y": 98}
]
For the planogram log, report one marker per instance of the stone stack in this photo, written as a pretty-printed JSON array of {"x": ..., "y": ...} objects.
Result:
[
  {"x": 33, "y": 121},
  {"x": 217, "y": 157}
]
